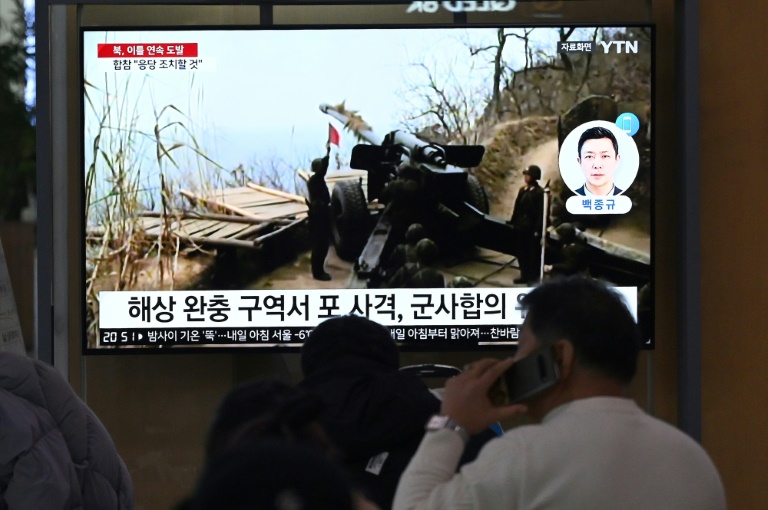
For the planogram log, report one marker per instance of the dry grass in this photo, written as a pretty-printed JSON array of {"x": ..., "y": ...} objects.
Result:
[
  {"x": 122, "y": 181},
  {"x": 118, "y": 188}
]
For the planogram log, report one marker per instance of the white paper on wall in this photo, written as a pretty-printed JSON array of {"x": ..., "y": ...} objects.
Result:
[{"x": 10, "y": 330}]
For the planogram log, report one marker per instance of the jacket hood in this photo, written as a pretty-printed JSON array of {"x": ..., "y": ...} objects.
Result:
[{"x": 349, "y": 336}]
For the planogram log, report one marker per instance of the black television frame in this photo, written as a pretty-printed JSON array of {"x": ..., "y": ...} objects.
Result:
[
  {"x": 52, "y": 341},
  {"x": 459, "y": 23}
]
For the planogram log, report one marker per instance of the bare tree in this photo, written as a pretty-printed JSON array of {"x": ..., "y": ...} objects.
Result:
[
  {"x": 504, "y": 72},
  {"x": 565, "y": 33},
  {"x": 442, "y": 99},
  {"x": 498, "y": 67},
  {"x": 585, "y": 75},
  {"x": 274, "y": 173}
]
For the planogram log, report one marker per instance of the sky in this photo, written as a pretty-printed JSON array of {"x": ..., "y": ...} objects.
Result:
[
  {"x": 256, "y": 96},
  {"x": 31, "y": 89}
]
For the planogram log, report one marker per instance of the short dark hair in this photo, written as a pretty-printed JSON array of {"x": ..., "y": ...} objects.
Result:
[
  {"x": 596, "y": 133},
  {"x": 593, "y": 317}
]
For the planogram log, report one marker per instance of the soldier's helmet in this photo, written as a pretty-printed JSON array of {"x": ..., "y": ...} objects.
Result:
[
  {"x": 567, "y": 232},
  {"x": 427, "y": 251},
  {"x": 415, "y": 233},
  {"x": 319, "y": 166},
  {"x": 460, "y": 282},
  {"x": 534, "y": 171}
]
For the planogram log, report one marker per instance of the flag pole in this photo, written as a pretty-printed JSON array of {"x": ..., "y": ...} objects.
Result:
[
  {"x": 545, "y": 218},
  {"x": 333, "y": 139}
]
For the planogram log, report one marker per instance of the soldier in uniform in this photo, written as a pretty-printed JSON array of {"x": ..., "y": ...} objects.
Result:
[
  {"x": 422, "y": 274},
  {"x": 406, "y": 252},
  {"x": 573, "y": 255},
  {"x": 460, "y": 282},
  {"x": 528, "y": 220},
  {"x": 405, "y": 196},
  {"x": 319, "y": 217}
]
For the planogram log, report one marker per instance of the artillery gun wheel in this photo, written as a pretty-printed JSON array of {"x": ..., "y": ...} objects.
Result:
[
  {"x": 350, "y": 219},
  {"x": 475, "y": 194}
]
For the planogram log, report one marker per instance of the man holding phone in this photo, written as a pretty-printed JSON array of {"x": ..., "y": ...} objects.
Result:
[{"x": 591, "y": 447}]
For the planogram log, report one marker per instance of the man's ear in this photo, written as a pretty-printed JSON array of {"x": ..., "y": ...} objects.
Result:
[{"x": 564, "y": 356}]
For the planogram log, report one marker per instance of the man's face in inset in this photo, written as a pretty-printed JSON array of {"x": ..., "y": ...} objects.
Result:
[{"x": 598, "y": 160}]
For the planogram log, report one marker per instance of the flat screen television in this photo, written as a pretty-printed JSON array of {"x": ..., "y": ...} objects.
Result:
[{"x": 198, "y": 144}]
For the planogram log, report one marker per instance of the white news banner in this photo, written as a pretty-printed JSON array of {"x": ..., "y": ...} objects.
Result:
[
  {"x": 10, "y": 330},
  {"x": 308, "y": 308}
]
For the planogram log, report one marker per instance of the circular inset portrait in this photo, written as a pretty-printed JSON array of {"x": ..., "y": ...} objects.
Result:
[{"x": 598, "y": 159}]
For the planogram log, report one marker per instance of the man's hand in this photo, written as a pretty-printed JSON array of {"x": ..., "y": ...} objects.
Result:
[
  {"x": 466, "y": 396},
  {"x": 547, "y": 268}
]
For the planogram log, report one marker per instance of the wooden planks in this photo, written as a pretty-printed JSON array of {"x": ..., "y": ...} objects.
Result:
[
  {"x": 252, "y": 201},
  {"x": 239, "y": 217},
  {"x": 331, "y": 178}
]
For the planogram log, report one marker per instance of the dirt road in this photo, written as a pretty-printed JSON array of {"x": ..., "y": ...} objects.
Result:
[
  {"x": 545, "y": 157},
  {"x": 631, "y": 230}
]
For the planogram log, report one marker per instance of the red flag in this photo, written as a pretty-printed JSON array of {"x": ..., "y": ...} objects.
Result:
[{"x": 333, "y": 136}]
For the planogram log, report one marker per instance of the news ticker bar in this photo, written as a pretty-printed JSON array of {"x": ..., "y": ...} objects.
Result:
[
  {"x": 277, "y": 309},
  {"x": 270, "y": 337}
]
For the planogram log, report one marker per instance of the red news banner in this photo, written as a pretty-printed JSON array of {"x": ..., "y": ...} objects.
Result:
[{"x": 144, "y": 50}]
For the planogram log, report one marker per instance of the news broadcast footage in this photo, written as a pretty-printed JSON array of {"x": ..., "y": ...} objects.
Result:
[{"x": 240, "y": 186}]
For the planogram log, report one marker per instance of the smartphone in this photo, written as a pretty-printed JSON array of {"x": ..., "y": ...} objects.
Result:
[
  {"x": 527, "y": 377},
  {"x": 627, "y": 124}
]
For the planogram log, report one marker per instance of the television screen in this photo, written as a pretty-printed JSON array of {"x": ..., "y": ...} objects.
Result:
[{"x": 243, "y": 184}]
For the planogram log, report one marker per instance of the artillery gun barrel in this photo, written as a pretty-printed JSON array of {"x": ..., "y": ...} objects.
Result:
[
  {"x": 364, "y": 131},
  {"x": 420, "y": 150}
]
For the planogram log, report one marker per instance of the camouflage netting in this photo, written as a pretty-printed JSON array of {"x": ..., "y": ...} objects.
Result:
[{"x": 505, "y": 146}]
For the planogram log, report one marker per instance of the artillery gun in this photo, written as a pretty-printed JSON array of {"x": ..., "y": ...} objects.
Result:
[
  {"x": 410, "y": 181},
  {"x": 414, "y": 181}
]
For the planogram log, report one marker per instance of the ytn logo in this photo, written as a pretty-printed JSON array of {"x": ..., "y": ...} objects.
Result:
[
  {"x": 464, "y": 6},
  {"x": 629, "y": 46}
]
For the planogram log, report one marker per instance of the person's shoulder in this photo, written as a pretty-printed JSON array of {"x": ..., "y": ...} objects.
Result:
[
  {"x": 674, "y": 441},
  {"x": 581, "y": 191},
  {"x": 686, "y": 452},
  {"x": 509, "y": 450},
  {"x": 617, "y": 190},
  {"x": 671, "y": 433}
]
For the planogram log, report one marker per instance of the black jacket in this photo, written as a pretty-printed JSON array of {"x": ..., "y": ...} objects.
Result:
[
  {"x": 582, "y": 191},
  {"x": 372, "y": 409},
  {"x": 54, "y": 451},
  {"x": 375, "y": 415},
  {"x": 528, "y": 214}
]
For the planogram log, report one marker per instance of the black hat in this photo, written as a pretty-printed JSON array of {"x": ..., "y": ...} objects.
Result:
[
  {"x": 349, "y": 336},
  {"x": 533, "y": 171}
]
